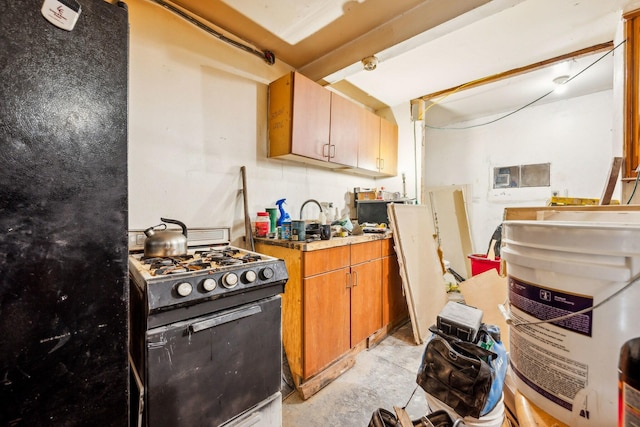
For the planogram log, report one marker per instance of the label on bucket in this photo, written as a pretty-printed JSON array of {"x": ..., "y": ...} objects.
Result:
[
  {"x": 540, "y": 355},
  {"x": 544, "y": 304}
]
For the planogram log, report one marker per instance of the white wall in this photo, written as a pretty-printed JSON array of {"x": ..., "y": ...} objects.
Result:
[
  {"x": 197, "y": 113},
  {"x": 575, "y": 136}
]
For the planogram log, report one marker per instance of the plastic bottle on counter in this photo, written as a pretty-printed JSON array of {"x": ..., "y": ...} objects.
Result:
[
  {"x": 263, "y": 224},
  {"x": 629, "y": 384},
  {"x": 284, "y": 216}
]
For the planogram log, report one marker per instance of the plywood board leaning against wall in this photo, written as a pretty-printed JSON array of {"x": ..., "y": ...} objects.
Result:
[
  {"x": 451, "y": 223},
  {"x": 420, "y": 267}
]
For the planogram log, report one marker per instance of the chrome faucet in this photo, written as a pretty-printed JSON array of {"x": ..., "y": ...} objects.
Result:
[{"x": 310, "y": 201}]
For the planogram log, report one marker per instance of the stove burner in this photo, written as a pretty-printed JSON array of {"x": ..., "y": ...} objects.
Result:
[
  {"x": 209, "y": 258},
  {"x": 231, "y": 261},
  {"x": 251, "y": 258},
  {"x": 171, "y": 269},
  {"x": 198, "y": 264}
]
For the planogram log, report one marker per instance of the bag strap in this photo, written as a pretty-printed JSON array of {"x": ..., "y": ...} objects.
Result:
[
  {"x": 403, "y": 418},
  {"x": 465, "y": 346}
]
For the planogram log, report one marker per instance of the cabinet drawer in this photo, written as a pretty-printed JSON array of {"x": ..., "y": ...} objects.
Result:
[
  {"x": 363, "y": 252},
  {"x": 324, "y": 260}
]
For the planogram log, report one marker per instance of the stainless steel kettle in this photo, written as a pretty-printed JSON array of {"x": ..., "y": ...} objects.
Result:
[{"x": 162, "y": 243}]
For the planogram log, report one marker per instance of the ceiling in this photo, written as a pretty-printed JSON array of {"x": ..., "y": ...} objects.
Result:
[{"x": 428, "y": 46}]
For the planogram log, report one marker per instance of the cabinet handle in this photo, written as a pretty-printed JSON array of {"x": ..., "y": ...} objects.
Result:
[
  {"x": 348, "y": 280},
  {"x": 355, "y": 282},
  {"x": 378, "y": 163},
  {"x": 381, "y": 164},
  {"x": 325, "y": 152},
  {"x": 332, "y": 152}
]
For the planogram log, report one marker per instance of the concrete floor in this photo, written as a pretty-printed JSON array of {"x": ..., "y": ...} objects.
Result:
[{"x": 383, "y": 376}]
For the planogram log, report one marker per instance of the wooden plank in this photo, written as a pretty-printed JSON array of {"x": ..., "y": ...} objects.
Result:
[
  {"x": 420, "y": 266},
  {"x": 530, "y": 415},
  {"x": 449, "y": 210},
  {"x": 521, "y": 70},
  {"x": 531, "y": 213},
  {"x": 616, "y": 165},
  {"x": 318, "y": 382}
]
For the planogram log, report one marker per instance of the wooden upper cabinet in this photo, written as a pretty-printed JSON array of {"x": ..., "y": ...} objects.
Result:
[
  {"x": 344, "y": 133},
  {"x": 378, "y": 151},
  {"x": 299, "y": 119},
  {"x": 311, "y": 124},
  {"x": 369, "y": 146},
  {"x": 388, "y": 162}
]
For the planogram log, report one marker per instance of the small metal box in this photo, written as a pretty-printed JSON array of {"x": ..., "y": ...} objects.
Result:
[{"x": 460, "y": 320}]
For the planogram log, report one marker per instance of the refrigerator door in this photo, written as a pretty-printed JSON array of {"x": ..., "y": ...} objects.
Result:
[{"x": 63, "y": 217}]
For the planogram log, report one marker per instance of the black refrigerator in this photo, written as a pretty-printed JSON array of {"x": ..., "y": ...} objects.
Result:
[{"x": 63, "y": 214}]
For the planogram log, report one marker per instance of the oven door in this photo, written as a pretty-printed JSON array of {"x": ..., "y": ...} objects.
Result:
[{"x": 207, "y": 370}]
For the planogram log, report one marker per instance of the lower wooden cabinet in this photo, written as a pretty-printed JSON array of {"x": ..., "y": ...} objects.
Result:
[
  {"x": 366, "y": 290},
  {"x": 326, "y": 319},
  {"x": 334, "y": 300},
  {"x": 394, "y": 302}
]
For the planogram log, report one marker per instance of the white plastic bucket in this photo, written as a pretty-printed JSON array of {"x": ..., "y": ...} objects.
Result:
[
  {"x": 569, "y": 368},
  {"x": 494, "y": 418}
]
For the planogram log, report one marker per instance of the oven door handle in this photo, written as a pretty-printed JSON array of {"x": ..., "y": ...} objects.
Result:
[{"x": 224, "y": 318}]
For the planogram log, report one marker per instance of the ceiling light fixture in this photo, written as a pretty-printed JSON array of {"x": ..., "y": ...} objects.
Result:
[
  {"x": 370, "y": 63},
  {"x": 560, "y": 83}
]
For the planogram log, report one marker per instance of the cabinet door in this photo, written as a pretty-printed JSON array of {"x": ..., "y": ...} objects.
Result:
[
  {"x": 310, "y": 119},
  {"x": 366, "y": 300},
  {"x": 394, "y": 303},
  {"x": 344, "y": 134},
  {"x": 388, "y": 162},
  {"x": 369, "y": 146},
  {"x": 326, "y": 319}
]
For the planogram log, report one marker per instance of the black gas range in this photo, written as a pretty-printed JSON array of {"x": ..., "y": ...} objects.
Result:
[{"x": 205, "y": 330}]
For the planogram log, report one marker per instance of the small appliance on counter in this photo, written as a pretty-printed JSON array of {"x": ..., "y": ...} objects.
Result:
[{"x": 375, "y": 211}]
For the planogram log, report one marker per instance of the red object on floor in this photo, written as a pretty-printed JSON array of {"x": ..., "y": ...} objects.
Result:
[{"x": 480, "y": 263}]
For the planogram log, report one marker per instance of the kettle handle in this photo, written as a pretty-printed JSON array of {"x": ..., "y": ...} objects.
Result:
[{"x": 175, "y": 221}]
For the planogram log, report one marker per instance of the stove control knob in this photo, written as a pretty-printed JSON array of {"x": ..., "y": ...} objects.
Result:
[
  {"x": 250, "y": 276},
  {"x": 184, "y": 289},
  {"x": 267, "y": 273},
  {"x": 209, "y": 284},
  {"x": 230, "y": 280}
]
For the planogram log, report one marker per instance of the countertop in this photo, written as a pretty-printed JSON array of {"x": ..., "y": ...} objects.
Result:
[{"x": 323, "y": 244}]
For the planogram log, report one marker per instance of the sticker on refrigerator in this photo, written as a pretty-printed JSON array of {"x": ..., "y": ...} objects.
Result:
[{"x": 61, "y": 13}]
